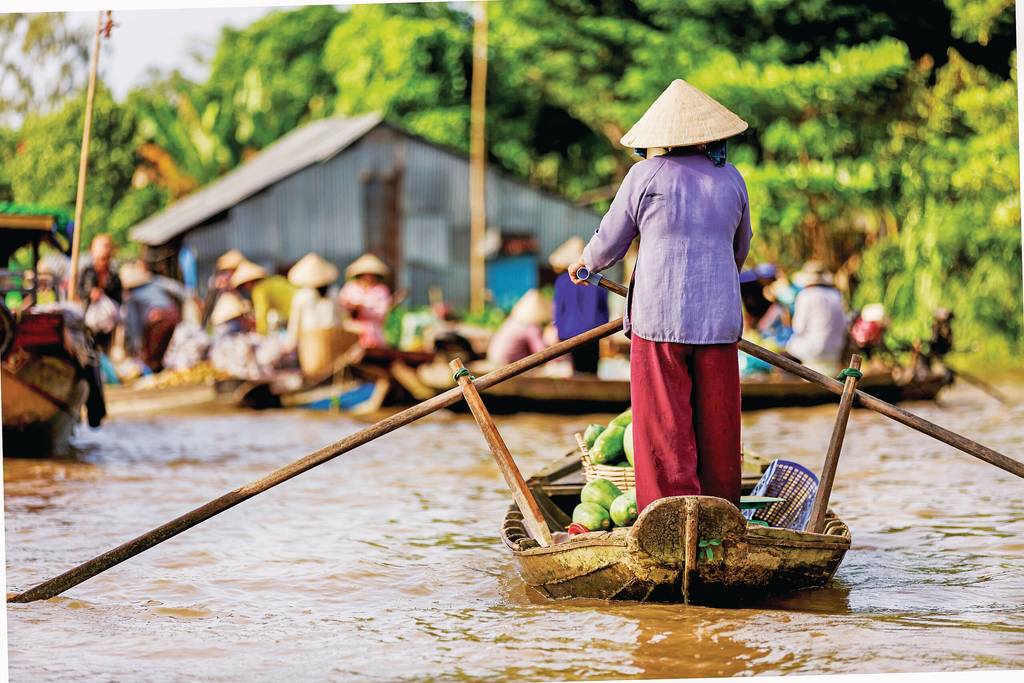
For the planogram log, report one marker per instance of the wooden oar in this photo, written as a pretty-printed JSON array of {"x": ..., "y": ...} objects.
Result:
[
  {"x": 101, "y": 563},
  {"x": 533, "y": 518},
  {"x": 816, "y": 522},
  {"x": 981, "y": 385},
  {"x": 944, "y": 435}
]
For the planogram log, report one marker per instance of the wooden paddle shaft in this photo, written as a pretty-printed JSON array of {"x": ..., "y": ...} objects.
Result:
[
  {"x": 922, "y": 425},
  {"x": 532, "y": 516},
  {"x": 816, "y": 523},
  {"x": 101, "y": 563}
]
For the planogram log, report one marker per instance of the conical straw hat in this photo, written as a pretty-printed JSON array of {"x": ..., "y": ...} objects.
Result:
[
  {"x": 531, "y": 309},
  {"x": 683, "y": 116},
  {"x": 367, "y": 264},
  {"x": 230, "y": 260},
  {"x": 567, "y": 254},
  {"x": 247, "y": 271},
  {"x": 228, "y": 307},
  {"x": 313, "y": 271},
  {"x": 813, "y": 273},
  {"x": 134, "y": 274}
]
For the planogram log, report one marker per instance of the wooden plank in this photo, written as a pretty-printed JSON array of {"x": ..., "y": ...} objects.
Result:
[{"x": 533, "y": 518}]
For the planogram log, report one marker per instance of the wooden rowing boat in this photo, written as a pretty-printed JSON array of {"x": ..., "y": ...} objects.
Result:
[
  {"x": 580, "y": 394},
  {"x": 43, "y": 391},
  {"x": 695, "y": 549}
]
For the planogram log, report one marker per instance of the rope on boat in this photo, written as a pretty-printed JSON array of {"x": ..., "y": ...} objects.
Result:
[
  {"x": 849, "y": 372},
  {"x": 462, "y": 372}
]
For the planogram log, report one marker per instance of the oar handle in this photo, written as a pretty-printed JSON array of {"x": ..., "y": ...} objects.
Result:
[
  {"x": 601, "y": 281},
  {"x": 907, "y": 418}
]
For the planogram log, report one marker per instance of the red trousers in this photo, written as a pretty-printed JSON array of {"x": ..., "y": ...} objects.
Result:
[{"x": 686, "y": 420}]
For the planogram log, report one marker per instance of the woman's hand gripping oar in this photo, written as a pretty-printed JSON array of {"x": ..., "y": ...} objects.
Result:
[
  {"x": 922, "y": 425},
  {"x": 101, "y": 563}
]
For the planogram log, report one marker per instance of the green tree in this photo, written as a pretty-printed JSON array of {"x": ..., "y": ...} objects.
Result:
[
  {"x": 42, "y": 60},
  {"x": 265, "y": 80},
  {"x": 44, "y": 169}
]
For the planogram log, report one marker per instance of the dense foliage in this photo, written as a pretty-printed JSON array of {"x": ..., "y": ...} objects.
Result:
[{"x": 883, "y": 136}]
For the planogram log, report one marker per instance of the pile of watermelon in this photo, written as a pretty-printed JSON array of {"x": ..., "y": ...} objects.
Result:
[
  {"x": 612, "y": 445},
  {"x": 602, "y": 506}
]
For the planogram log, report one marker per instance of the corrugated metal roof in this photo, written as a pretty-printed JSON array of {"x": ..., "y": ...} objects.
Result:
[{"x": 313, "y": 143}]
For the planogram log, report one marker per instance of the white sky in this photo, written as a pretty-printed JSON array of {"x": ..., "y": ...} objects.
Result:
[{"x": 162, "y": 39}]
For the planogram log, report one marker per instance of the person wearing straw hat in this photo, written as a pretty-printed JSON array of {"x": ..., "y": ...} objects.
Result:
[
  {"x": 577, "y": 309},
  {"x": 220, "y": 281},
  {"x": 271, "y": 295},
  {"x": 522, "y": 332},
  {"x": 819, "y": 321},
  {"x": 315, "y": 328},
  {"x": 367, "y": 299},
  {"x": 683, "y": 315},
  {"x": 151, "y": 310}
]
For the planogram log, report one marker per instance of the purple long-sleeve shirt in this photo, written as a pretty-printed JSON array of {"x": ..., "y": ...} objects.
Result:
[{"x": 693, "y": 220}]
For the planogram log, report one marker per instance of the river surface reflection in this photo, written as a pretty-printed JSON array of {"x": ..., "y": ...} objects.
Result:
[{"x": 385, "y": 564}]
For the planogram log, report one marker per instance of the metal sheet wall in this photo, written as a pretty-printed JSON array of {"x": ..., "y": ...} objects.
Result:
[{"x": 321, "y": 209}]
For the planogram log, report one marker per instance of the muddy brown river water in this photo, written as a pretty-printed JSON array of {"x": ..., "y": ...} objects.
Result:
[{"x": 385, "y": 564}]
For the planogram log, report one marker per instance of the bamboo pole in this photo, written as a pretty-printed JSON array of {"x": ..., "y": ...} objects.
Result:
[
  {"x": 904, "y": 417},
  {"x": 478, "y": 163},
  {"x": 83, "y": 161},
  {"x": 816, "y": 522},
  {"x": 105, "y": 561},
  {"x": 533, "y": 518}
]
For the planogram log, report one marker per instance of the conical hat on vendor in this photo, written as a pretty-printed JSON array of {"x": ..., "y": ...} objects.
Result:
[
  {"x": 567, "y": 254},
  {"x": 228, "y": 307},
  {"x": 367, "y": 264},
  {"x": 247, "y": 271},
  {"x": 134, "y": 274},
  {"x": 873, "y": 313},
  {"x": 813, "y": 273},
  {"x": 313, "y": 271},
  {"x": 683, "y": 116},
  {"x": 230, "y": 259},
  {"x": 531, "y": 309}
]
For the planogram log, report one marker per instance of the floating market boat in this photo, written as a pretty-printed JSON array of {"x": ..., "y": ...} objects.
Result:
[
  {"x": 696, "y": 549},
  {"x": 363, "y": 383},
  {"x": 578, "y": 395},
  {"x": 45, "y": 349}
]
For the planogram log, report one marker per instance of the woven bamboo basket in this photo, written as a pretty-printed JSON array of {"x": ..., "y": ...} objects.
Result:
[{"x": 622, "y": 477}]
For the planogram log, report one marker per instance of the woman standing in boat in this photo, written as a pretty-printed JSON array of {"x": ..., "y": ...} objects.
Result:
[{"x": 683, "y": 313}]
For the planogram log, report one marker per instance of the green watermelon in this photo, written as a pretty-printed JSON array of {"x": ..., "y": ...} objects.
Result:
[
  {"x": 608, "y": 447},
  {"x": 622, "y": 419},
  {"x": 601, "y": 492},
  {"x": 590, "y": 436},
  {"x": 627, "y": 443},
  {"x": 592, "y": 516},
  {"x": 623, "y": 510}
]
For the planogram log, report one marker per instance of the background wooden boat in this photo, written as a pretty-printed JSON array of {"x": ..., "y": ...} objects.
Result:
[
  {"x": 665, "y": 556},
  {"x": 126, "y": 400},
  {"x": 42, "y": 397},
  {"x": 578, "y": 395}
]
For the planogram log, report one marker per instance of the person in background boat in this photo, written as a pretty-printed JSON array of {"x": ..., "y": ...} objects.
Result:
[
  {"x": 577, "y": 309},
  {"x": 271, "y": 295},
  {"x": 819, "y": 321},
  {"x": 867, "y": 333},
  {"x": 315, "y": 328},
  {"x": 98, "y": 280},
  {"x": 683, "y": 312},
  {"x": 367, "y": 299},
  {"x": 234, "y": 348},
  {"x": 151, "y": 309},
  {"x": 521, "y": 334},
  {"x": 220, "y": 281}
]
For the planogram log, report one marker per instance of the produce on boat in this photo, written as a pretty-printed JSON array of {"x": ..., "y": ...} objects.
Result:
[{"x": 593, "y": 431}]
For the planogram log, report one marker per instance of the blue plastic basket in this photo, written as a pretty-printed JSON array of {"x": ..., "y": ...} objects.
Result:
[{"x": 789, "y": 480}]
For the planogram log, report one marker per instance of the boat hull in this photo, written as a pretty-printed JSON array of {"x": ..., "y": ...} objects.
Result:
[
  {"x": 663, "y": 557},
  {"x": 580, "y": 395},
  {"x": 42, "y": 399}
]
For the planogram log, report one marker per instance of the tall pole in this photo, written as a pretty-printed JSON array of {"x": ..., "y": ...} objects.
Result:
[
  {"x": 83, "y": 160},
  {"x": 478, "y": 163}
]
